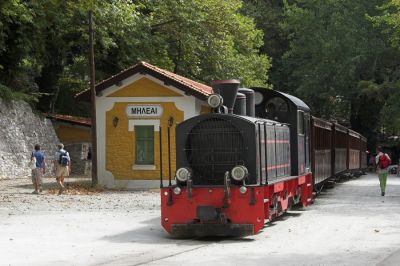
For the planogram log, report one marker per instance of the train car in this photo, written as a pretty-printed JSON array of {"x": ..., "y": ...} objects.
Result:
[
  {"x": 321, "y": 151},
  {"x": 340, "y": 149},
  {"x": 235, "y": 172},
  {"x": 354, "y": 151},
  {"x": 336, "y": 151},
  {"x": 363, "y": 154}
]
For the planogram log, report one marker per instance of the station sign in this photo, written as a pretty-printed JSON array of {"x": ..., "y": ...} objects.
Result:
[{"x": 144, "y": 110}]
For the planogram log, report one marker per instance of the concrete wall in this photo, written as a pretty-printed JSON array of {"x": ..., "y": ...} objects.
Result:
[
  {"x": 20, "y": 130},
  {"x": 80, "y": 165}
]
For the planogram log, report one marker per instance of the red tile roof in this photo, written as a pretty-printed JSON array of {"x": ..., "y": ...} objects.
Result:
[
  {"x": 206, "y": 90},
  {"x": 83, "y": 121},
  {"x": 189, "y": 86}
]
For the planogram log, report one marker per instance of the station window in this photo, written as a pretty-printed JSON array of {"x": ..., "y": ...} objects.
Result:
[{"x": 144, "y": 145}]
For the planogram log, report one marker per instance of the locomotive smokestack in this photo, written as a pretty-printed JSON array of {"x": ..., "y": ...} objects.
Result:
[
  {"x": 250, "y": 105},
  {"x": 228, "y": 90},
  {"x": 240, "y": 104}
]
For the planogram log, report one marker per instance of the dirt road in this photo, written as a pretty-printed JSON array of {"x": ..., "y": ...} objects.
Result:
[{"x": 350, "y": 224}]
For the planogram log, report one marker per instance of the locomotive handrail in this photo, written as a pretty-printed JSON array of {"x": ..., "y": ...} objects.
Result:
[
  {"x": 169, "y": 156},
  {"x": 161, "y": 173},
  {"x": 259, "y": 150},
  {"x": 189, "y": 188}
]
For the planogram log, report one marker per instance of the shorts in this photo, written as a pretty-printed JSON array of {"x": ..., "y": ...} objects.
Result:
[
  {"x": 37, "y": 174},
  {"x": 62, "y": 171}
]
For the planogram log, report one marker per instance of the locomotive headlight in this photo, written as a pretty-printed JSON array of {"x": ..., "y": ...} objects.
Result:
[
  {"x": 215, "y": 100},
  {"x": 239, "y": 172},
  {"x": 183, "y": 174}
]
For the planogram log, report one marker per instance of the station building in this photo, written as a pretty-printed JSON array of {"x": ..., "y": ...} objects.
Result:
[{"x": 132, "y": 109}]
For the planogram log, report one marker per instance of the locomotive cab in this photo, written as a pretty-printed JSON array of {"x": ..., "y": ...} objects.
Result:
[{"x": 285, "y": 108}]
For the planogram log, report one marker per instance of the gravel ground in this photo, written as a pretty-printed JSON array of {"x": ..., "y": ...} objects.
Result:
[
  {"x": 350, "y": 224},
  {"x": 16, "y": 197}
]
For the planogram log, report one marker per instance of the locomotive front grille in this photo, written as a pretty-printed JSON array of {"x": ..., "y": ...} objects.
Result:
[{"x": 213, "y": 147}]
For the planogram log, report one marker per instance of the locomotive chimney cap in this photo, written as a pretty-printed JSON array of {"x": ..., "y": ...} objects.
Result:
[
  {"x": 226, "y": 81},
  {"x": 228, "y": 90}
]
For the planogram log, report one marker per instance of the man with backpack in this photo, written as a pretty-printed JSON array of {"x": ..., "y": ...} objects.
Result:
[
  {"x": 38, "y": 168},
  {"x": 62, "y": 164},
  {"x": 382, "y": 163}
]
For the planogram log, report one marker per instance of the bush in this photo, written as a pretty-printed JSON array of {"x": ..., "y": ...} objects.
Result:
[{"x": 9, "y": 95}]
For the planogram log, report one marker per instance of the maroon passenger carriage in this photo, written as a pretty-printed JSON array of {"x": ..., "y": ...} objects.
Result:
[
  {"x": 239, "y": 166},
  {"x": 336, "y": 151}
]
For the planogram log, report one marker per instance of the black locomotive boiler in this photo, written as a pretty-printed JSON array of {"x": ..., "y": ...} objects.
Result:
[{"x": 246, "y": 162}]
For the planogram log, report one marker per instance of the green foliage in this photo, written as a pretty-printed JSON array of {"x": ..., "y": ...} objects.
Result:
[
  {"x": 207, "y": 40},
  {"x": 18, "y": 64},
  {"x": 8, "y": 95},
  {"x": 269, "y": 16},
  {"x": 44, "y": 44},
  {"x": 390, "y": 114},
  {"x": 389, "y": 20},
  {"x": 341, "y": 57},
  {"x": 330, "y": 49},
  {"x": 389, "y": 24}
]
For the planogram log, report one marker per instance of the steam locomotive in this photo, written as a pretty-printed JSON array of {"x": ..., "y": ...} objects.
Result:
[{"x": 248, "y": 161}]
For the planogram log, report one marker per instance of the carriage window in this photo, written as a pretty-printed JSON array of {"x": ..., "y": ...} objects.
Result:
[{"x": 300, "y": 122}]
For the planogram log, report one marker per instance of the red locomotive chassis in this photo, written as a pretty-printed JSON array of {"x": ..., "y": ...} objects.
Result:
[{"x": 214, "y": 211}]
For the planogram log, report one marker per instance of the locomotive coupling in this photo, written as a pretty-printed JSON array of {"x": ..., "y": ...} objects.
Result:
[{"x": 227, "y": 190}]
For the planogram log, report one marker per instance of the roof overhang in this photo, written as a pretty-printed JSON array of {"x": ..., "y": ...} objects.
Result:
[
  {"x": 73, "y": 120},
  {"x": 188, "y": 86}
]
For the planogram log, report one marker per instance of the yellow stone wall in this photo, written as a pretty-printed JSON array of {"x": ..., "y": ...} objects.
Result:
[
  {"x": 120, "y": 143},
  {"x": 72, "y": 134}
]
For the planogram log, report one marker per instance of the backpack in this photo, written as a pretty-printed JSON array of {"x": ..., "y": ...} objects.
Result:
[
  {"x": 384, "y": 162},
  {"x": 63, "y": 160},
  {"x": 32, "y": 162}
]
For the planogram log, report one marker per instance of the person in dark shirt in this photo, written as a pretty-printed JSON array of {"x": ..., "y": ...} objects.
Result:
[{"x": 39, "y": 170}]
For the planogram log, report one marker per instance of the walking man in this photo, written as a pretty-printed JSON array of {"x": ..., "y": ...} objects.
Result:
[
  {"x": 382, "y": 163},
  {"x": 39, "y": 170},
  {"x": 62, "y": 164}
]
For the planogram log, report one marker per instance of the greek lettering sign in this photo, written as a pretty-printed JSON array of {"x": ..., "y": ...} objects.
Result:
[{"x": 144, "y": 110}]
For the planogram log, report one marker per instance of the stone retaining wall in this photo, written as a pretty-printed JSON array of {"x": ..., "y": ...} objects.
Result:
[{"x": 20, "y": 130}]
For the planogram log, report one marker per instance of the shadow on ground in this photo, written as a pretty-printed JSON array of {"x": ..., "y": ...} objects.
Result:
[{"x": 152, "y": 233}]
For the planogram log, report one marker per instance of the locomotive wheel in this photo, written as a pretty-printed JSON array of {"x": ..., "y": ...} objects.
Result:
[
  {"x": 273, "y": 213},
  {"x": 274, "y": 206}
]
